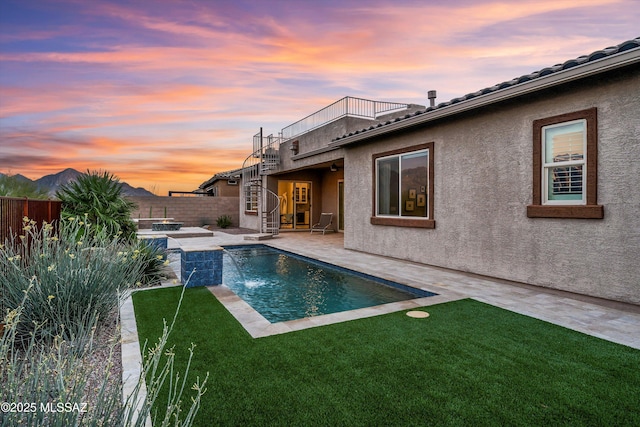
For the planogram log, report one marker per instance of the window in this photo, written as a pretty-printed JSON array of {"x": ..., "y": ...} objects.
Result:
[
  {"x": 251, "y": 198},
  {"x": 565, "y": 160},
  {"x": 403, "y": 187}
]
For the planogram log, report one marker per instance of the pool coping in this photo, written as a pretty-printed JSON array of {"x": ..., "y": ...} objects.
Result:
[{"x": 258, "y": 327}]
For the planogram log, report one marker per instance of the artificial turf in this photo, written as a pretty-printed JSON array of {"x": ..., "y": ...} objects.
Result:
[{"x": 469, "y": 363}]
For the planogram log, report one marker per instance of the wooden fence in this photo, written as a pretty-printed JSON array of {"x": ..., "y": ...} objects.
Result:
[{"x": 12, "y": 210}]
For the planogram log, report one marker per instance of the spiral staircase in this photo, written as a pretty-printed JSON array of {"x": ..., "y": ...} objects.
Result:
[{"x": 265, "y": 158}]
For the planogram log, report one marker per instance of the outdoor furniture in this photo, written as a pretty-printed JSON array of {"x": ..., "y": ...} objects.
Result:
[{"x": 324, "y": 224}]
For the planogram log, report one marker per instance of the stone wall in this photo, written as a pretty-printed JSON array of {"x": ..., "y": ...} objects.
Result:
[{"x": 192, "y": 211}]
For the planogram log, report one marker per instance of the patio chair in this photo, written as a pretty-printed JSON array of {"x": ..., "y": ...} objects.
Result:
[{"x": 324, "y": 224}]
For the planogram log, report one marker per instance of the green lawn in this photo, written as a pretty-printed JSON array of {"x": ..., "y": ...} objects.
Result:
[{"x": 467, "y": 364}]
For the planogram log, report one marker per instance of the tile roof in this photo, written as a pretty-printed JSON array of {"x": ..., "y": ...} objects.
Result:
[
  {"x": 545, "y": 72},
  {"x": 232, "y": 174}
]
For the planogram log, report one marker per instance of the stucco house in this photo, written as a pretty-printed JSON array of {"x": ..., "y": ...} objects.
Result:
[
  {"x": 222, "y": 184},
  {"x": 533, "y": 180}
]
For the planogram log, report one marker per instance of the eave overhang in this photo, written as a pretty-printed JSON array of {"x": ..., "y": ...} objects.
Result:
[{"x": 578, "y": 72}]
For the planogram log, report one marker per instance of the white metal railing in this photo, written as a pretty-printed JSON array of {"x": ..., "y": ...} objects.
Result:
[
  {"x": 265, "y": 202},
  {"x": 347, "y": 106},
  {"x": 270, "y": 213}
]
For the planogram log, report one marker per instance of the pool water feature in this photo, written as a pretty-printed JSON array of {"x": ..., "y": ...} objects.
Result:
[{"x": 283, "y": 286}]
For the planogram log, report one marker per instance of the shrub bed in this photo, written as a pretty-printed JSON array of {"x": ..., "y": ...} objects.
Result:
[{"x": 60, "y": 290}]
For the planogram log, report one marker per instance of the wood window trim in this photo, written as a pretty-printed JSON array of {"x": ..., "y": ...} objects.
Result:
[
  {"x": 404, "y": 222},
  {"x": 429, "y": 223},
  {"x": 591, "y": 210}
]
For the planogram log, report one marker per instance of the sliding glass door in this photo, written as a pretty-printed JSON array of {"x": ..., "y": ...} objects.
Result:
[{"x": 295, "y": 205}]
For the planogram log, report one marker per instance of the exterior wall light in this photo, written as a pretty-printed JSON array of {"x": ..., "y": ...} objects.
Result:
[{"x": 294, "y": 147}]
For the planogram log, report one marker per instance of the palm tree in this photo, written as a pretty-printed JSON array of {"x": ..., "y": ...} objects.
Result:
[{"x": 98, "y": 196}]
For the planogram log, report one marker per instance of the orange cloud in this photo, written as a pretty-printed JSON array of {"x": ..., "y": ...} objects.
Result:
[{"x": 171, "y": 112}]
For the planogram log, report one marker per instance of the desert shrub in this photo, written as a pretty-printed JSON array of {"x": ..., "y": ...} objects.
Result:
[
  {"x": 41, "y": 375},
  {"x": 74, "y": 277},
  {"x": 99, "y": 196},
  {"x": 33, "y": 375},
  {"x": 224, "y": 221},
  {"x": 153, "y": 262}
]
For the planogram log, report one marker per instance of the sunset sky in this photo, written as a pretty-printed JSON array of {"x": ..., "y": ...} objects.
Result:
[{"x": 166, "y": 93}]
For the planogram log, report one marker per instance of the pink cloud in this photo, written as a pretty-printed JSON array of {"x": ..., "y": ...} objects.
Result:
[{"x": 182, "y": 89}]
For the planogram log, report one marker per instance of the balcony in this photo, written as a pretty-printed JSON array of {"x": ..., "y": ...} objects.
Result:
[{"x": 345, "y": 107}]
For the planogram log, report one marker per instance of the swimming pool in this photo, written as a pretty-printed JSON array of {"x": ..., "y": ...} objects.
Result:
[{"x": 283, "y": 286}]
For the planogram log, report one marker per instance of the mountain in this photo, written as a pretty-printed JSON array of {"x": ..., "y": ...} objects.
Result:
[
  {"x": 51, "y": 183},
  {"x": 18, "y": 177},
  {"x": 128, "y": 190}
]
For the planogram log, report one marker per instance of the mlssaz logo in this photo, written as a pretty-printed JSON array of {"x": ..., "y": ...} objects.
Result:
[{"x": 63, "y": 407}]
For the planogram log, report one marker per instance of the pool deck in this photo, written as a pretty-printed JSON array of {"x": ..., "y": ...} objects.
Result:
[{"x": 609, "y": 320}]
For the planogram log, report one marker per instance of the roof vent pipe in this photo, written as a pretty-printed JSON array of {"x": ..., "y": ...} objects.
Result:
[{"x": 432, "y": 98}]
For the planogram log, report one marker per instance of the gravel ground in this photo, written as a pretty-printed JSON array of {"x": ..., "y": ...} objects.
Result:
[
  {"x": 104, "y": 357},
  {"x": 106, "y": 354}
]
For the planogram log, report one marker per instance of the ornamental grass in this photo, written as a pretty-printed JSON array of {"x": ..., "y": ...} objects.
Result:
[
  {"x": 52, "y": 384},
  {"x": 74, "y": 278},
  {"x": 61, "y": 285}
]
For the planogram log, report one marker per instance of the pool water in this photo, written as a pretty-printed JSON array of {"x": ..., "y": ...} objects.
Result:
[{"x": 283, "y": 286}]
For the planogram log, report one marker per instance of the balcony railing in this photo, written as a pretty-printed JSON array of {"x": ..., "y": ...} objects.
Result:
[{"x": 347, "y": 106}]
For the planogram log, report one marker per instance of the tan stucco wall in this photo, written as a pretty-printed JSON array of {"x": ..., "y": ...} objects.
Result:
[
  {"x": 483, "y": 184},
  {"x": 318, "y": 139},
  {"x": 192, "y": 211},
  {"x": 227, "y": 190}
]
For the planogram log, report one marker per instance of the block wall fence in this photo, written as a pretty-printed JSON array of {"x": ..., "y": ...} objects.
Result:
[{"x": 191, "y": 211}]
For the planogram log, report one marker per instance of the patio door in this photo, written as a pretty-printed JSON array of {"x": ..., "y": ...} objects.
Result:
[{"x": 295, "y": 204}]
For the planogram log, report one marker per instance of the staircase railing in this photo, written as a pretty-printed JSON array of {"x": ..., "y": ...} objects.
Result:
[
  {"x": 265, "y": 202},
  {"x": 270, "y": 215}
]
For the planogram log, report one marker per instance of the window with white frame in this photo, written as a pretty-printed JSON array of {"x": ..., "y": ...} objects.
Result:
[
  {"x": 565, "y": 167},
  {"x": 251, "y": 198},
  {"x": 564, "y": 164},
  {"x": 403, "y": 193}
]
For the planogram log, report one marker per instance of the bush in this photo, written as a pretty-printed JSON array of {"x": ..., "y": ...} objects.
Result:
[
  {"x": 153, "y": 262},
  {"x": 58, "y": 292},
  {"x": 98, "y": 195},
  {"x": 73, "y": 278},
  {"x": 36, "y": 375},
  {"x": 224, "y": 221}
]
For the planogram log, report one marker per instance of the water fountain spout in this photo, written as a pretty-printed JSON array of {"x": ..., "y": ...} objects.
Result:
[{"x": 235, "y": 263}]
